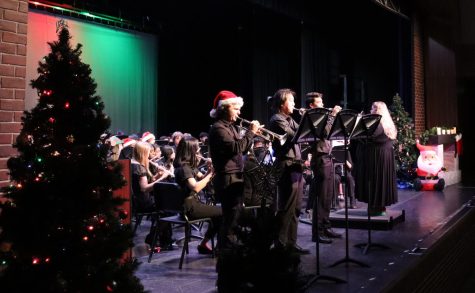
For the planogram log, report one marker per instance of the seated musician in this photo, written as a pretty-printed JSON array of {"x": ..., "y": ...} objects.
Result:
[
  {"x": 142, "y": 187},
  {"x": 193, "y": 181}
]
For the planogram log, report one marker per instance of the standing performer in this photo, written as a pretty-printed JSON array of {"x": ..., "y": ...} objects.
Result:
[
  {"x": 227, "y": 148},
  {"x": 377, "y": 175},
  {"x": 324, "y": 174},
  {"x": 288, "y": 162}
]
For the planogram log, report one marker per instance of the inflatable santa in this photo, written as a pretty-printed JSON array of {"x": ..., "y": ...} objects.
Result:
[{"x": 428, "y": 167}]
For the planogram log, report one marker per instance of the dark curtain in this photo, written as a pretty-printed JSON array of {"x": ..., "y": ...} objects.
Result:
[
  {"x": 275, "y": 59},
  {"x": 441, "y": 92}
]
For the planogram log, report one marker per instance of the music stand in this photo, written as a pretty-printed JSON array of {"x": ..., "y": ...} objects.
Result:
[
  {"x": 364, "y": 129},
  {"x": 342, "y": 128},
  {"x": 312, "y": 129}
]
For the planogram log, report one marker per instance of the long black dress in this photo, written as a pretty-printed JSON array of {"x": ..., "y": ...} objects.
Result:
[{"x": 375, "y": 171}]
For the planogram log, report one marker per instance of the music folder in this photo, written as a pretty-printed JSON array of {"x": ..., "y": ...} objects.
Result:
[{"x": 312, "y": 125}]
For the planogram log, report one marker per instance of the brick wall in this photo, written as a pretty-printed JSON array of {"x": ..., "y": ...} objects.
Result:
[
  {"x": 418, "y": 76},
  {"x": 13, "y": 28}
]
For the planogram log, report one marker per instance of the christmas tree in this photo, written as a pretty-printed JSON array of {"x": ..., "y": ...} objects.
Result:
[
  {"x": 405, "y": 144},
  {"x": 61, "y": 229}
]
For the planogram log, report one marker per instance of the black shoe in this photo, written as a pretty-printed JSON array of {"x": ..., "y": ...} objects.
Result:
[
  {"x": 331, "y": 234},
  {"x": 297, "y": 249},
  {"x": 322, "y": 239}
]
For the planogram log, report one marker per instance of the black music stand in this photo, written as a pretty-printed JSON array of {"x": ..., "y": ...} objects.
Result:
[
  {"x": 342, "y": 128},
  {"x": 365, "y": 128},
  {"x": 312, "y": 129}
]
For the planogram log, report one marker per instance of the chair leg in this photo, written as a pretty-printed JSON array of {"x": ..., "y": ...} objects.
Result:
[
  {"x": 138, "y": 221},
  {"x": 154, "y": 240},
  {"x": 212, "y": 242},
  {"x": 185, "y": 246}
]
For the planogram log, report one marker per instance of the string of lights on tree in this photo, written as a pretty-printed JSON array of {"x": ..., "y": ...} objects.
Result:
[{"x": 62, "y": 228}]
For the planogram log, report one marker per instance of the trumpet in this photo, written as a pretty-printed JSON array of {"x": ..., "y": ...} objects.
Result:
[
  {"x": 301, "y": 111},
  {"x": 265, "y": 133}
]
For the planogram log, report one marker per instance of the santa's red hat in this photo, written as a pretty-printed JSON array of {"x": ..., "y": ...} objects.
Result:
[
  {"x": 147, "y": 135},
  {"x": 425, "y": 148},
  {"x": 225, "y": 98},
  {"x": 128, "y": 141},
  {"x": 114, "y": 140}
]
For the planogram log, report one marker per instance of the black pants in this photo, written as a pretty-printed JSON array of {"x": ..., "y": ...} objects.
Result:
[
  {"x": 324, "y": 187},
  {"x": 229, "y": 190},
  {"x": 289, "y": 198}
]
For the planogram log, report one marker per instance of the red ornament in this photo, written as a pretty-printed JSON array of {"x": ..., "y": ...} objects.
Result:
[
  {"x": 66, "y": 105},
  {"x": 123, "y": 214},
  {"x": 47, "y": 92},
  {"x": 51, "y": 120}
]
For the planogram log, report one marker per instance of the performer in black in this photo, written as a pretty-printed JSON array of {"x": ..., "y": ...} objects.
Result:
[
  {"x": 288, "y": 163},
  {"x": 227, "y": 148},
  {"x": 323, "y": 171},
  {"x": 377, "y": 174}
]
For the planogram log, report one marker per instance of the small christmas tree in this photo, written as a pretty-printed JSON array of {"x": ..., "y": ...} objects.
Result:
[
  {"x": 405, "y": 145},
  {"x": 61, "y": 229}
]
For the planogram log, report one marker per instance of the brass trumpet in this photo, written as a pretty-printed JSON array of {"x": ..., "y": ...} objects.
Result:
[
  {"x": 300, "y": 110},
  {"x": 265, "y": 133}
]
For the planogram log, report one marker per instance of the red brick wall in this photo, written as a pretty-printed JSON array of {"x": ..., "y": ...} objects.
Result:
[
  {"x": 418, "y": 76},
  {"x": 13, "y": 29}
]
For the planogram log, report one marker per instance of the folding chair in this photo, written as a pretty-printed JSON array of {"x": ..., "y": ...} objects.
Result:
[{"x": 169, "y": 199}]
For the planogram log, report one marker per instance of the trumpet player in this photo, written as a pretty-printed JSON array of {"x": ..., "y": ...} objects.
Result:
[
  {"x": 227, "y": 148},
  {"x": 290, "y": 181},
  {"x": 322, "y": 166}
]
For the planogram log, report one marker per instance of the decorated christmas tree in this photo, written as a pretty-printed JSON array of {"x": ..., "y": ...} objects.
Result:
[
  {"x": 61, "y": 227},
  {"x": 405, "y": 145}
]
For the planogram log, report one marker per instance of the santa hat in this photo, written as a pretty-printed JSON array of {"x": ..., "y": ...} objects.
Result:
[
  {"x": 147, "y": 135},
  {"x": 425, "y": 148},
  {"x": 114, "y": 140},
  {"x": 128, "y": 141},
  {"x": 225, "y": 98}
]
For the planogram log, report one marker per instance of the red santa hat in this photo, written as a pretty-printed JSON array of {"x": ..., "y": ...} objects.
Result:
[
  {"x": 224, "y": 98},
  {"x": 147, "y": 135},
  {"x": 425, "y": 148},
  {"x": 114, "y": 140},
  {"x": 128, "y": 141}
]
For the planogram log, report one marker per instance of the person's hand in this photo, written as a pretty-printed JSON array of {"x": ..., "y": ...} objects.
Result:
[
  {"x": 335, "y": 110},
  {"x": 254, "y": 126}
]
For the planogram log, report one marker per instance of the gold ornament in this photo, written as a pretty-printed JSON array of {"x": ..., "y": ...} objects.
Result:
[{"x": 70, "y": 138}]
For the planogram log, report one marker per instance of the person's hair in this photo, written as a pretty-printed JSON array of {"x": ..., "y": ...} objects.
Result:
[
  {"x": 203, "y": 134},
  {"x": 167, "y": 152},
  {"x": 311, "y": 98},
  {"x": 177, "y": 133},
  {"x": 386, "y": 120},
  {"x": 279, "y": 98},
  {"x": 186, "y": 152},
  {"x": 223, "y": 110},
  {"x": 141, "y": 153}
]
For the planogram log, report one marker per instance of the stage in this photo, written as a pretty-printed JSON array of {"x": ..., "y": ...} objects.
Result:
[{"x": 430, "y": 249}]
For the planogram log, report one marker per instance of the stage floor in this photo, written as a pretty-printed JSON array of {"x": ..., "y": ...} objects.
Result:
[{"x": 426, "y": 215}]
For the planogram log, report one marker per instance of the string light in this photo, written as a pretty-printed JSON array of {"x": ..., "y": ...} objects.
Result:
[{"x": 66, "y": 105}]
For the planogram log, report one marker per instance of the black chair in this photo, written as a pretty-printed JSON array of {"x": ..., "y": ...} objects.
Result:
[
  {"x": 138, "y": 216},
  {"x": 169, "y": 199}
]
